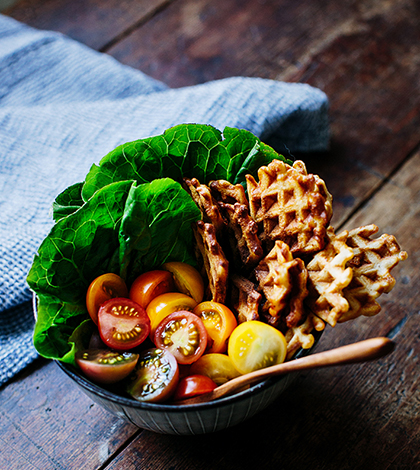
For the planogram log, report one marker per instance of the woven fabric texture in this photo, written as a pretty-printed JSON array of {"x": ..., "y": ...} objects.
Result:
[{"x": 63, "y": 106}]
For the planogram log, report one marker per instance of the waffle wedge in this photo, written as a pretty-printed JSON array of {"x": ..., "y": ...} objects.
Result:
[
  {"x": 290, "y": 205},
  {"x": 328, "y": 275},
  {"x": 371, "y": 265},
  {"x": 245, "y": 300}
]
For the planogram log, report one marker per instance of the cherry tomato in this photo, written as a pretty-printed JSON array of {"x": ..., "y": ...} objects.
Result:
[
  {"x": 104, "y": 366},
  {"x": 149, "y": 285},
  {"x": 219, "y": 322},
  {"x": 155, "y": 377},
  {"x": 165, "y": 304},
  {"x": 192, "y": 386},
  {"x": 123, "y": 324},
  {"x": 101, "y": 289},
  {"x": 218, "y": 367},
  {"x": 187, "y": 279},
  {"x": 254, "y": 345},
  {"x": 183, "y": 334}
]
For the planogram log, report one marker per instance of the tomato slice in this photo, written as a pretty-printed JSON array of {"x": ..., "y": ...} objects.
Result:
[
  {"x": 155, "y": 377},
  {"x": 187, "y": 279},
  {"x": 254, "y": 345},
  {"x": 192, "y": 386},
  {"x": 123, "y": 324},
  {"x": 165, "y": 304},
  {"x": 104, "y": 366},
  {"x": 219, "y": 322},
  {"x": 216, "y": 366},
  {"x": 183, "y": 334},
  {"x": 149, "y": 285},
  {"x": 101, "y": 289}
]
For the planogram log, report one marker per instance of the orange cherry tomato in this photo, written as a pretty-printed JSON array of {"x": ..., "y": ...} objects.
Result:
[
  {"x": 101, "y": 289},
  {"x": 165, "y": 304},
  {"x": 182, "y": 334},
  {"x": 187, "y": 279},
  {"x": 219, "y": 322},
  {"x": 149, "y": 285},
  {"x": 192, "y": 386}
]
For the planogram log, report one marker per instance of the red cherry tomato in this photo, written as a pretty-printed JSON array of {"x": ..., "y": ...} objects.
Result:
[
  {"x": 123, "y": 324},
  {"x": 183, "y": 334},
  {"x": 155, "y": 377},
  {"x": 219, "y": 322},
  {"x": 106, "y": 367},
  {"x": 101, "y": 289},
  {"x": 149, "y": 285},
  {"x": 192, "y": 386}
]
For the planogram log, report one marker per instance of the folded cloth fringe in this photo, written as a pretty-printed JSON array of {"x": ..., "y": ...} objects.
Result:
[{"x": 63, "y": 106}]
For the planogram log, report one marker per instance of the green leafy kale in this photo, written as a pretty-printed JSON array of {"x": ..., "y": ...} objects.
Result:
[{"x": 130, "y": 215}]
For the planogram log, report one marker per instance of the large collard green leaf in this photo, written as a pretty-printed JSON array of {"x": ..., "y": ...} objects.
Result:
[
  {"x": 68, "y": 201},
  {"x": 80, "y": 246},
  {"x": 187, "y": 150},
  {"x": 156, "y": 227}
]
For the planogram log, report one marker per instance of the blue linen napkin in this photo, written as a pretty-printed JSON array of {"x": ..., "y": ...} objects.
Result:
[{"x": 63, "y": 106}]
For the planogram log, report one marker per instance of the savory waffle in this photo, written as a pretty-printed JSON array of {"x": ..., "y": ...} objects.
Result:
[
  {"x": 372, "y": 263},
  {"x": 283, "y": 280},
  {"x": 245, "y": 300},
  {"x": 291, "y": 206},
  {"x": 328, "y": 275}
]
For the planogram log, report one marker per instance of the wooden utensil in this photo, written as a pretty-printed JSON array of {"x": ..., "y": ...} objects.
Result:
[{"x": 362, "y": 351}]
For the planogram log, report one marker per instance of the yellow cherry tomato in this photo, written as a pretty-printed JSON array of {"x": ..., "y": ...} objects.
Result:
[
  {"x": 219, "y": 367},
  {"x": 254, "y": 345},
  {"x": 187, "y": 279},
  {"x": 219, "y": 322},
  {"x": 165, "y": 304}
]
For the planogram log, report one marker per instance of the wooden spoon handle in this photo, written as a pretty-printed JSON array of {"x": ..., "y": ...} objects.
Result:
[{"x": 362, "y": 351}]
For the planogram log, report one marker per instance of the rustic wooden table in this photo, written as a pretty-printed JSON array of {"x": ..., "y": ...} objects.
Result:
[{"x": 366, "y": 56}]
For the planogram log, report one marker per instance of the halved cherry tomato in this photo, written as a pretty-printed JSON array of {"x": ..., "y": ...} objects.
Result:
[
  {"x": 216, "y": 366},
  {"x": 183, "y": 334},
  {"x": 165, "y": 304},
  {"x": 254, "y": 345},
  {"x": 149, "y": 285},
  {"x": 101, "y": 289},
  {"x": 187, "y": 279},
  {"x": 192, "y": 386},
  {"x": 155, "y": 377},
  {"x": 123, "y": 324},
  {"x": 219, "y": 322},
  {"x": 104, "y": 366}
]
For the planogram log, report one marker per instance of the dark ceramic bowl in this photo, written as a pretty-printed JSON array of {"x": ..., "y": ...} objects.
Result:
[{"x": 188, "y": 419}]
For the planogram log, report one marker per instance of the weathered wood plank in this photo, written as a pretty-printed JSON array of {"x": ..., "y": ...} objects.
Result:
[
  {"x": 48, "y": 423},
  {"x": 359, "y": 416},
  {"x": 92, "y": 22}
]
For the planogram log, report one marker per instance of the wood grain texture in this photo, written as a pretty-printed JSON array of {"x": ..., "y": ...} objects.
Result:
[
  {"x": 94, "y": 23},
  {"x": 47, "y": 423}
]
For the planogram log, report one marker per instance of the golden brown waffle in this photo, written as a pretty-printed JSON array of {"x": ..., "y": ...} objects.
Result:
[
  {"x": 372, "y": 263},
  {"x": 242, "y": 229},
  {"x": 328, "y": 275},
  {"x": 245, "y": 300},
  {"x": 301, "y": 336},
  {"x": 227, "y": 192},
  {"x": 291, "y": 206},
  {"x": 215, "y": 263},
  {"x": 201, "y": 195},
  {"x": 283, "y": 282}
]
